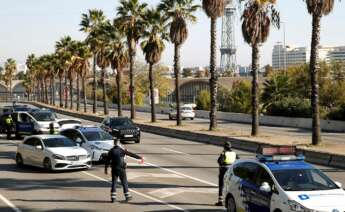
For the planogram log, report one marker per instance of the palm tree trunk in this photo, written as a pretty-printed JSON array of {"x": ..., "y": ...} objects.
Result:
[
  {"x": 255, "y": 89},
  {"x": 45, "y": 91},
  {"x": 151, "y": 80},
  {"x": 60, "y": 90},
  {"x": 53, "y": 90},
  {"x": 177, "y": 68},
  {"x": 94, "y": 87},
  {"x": 214, "y": 75},
  {"x": 132, "y": 54},
  {"x": 78, "y": 92},
  {"x": 119, "y": 92},
  {"x": 65, "y": 91},
  {"x": 71, "y": 93},
  {"x": 84, "y": 94},
  {"x": 314, "y": 68},
  {"x": 105, "y": 102}
]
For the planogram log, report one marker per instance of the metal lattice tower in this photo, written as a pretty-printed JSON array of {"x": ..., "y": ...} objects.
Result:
[{"x": 228, "y": 45}]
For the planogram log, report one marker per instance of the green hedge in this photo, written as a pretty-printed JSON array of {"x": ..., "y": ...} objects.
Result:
[
  {"x": 290, "y": 107},
  {"x": 338, "y": 113}
]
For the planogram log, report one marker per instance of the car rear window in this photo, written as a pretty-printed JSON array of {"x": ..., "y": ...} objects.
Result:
[{"x": 97, "y": 136}]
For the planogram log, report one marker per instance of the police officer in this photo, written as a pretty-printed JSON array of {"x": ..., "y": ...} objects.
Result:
[
  {"x": 225, "y": 160},
  {"x": 52, "y": 129},
  {"x": 116, "y": 156},
  {"x": 9, "y": 125}
]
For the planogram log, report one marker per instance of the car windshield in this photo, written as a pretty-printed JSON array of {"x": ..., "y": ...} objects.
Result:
[
  {"x": 121, "y": 122},
  {"x": 303, "y": 180},
  {"x": 44, "y": 116},
  {"x": 97, "y": 136},
  {"x": 58, "y": 142}
]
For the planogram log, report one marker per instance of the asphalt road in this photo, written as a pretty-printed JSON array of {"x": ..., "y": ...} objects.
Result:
[
  {"x": 178, "y": 175},
  {"x": 246, "y": 128}
]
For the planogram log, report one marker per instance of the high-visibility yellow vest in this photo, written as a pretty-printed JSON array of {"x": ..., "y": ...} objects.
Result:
[
  {"x": 9, "y": 121},
  {"x": 229, "y": 158}
]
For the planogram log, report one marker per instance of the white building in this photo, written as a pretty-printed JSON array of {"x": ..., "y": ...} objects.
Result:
[{"x": 283, "y": 57}]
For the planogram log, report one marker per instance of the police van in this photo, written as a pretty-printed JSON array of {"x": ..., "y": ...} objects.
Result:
[{"x": 279, "y": 180}]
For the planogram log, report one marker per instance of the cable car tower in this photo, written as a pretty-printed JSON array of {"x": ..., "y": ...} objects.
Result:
[{"x": 228, "y": 44}]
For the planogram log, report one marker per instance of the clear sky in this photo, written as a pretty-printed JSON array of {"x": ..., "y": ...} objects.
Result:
[{"x": 33, "y": 26}]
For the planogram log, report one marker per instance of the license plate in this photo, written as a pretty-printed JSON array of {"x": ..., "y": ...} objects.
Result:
[{"x": 128, "y": 136}]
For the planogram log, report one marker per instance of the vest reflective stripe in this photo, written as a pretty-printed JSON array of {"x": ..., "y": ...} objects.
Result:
[
  {"x": 8, "y": 121},
  {"x": 229, "y": 157}
]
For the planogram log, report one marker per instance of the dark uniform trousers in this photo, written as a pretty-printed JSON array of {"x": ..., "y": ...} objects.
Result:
[
  {"x": 119, "y": 173},
  {"x": 222, "y": 171}
]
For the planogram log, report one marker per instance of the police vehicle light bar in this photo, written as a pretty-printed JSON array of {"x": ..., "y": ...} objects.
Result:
[
  {"x": 283, "y": 150},
  {"x": 283, "y": 153}
]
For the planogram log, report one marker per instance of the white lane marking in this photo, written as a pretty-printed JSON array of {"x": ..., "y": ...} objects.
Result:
[
  {"x": 178, "y": 152},
  {"x": 183, "y": 175},
  {"x": 168, "y": 192},
  {"x": 9, "y": 204},
  {"x": 134, "y": 175},
  {"x": 138, "y": 193}
]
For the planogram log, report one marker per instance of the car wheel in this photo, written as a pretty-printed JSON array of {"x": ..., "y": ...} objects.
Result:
[
  {"x": 231, "y": 205},
  {"x": 47, "y": 165},
  {"x": 137, "y": 141},
  {"x": 19, "y": 160},
  {"x": 170, "y": 118},
  {"x": 192, "y": 119}
]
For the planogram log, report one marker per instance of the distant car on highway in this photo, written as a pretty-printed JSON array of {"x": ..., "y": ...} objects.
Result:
[
  {"x": 279, "y": 180},
  {"x": 52, "y": 152},
  {"x": 94, "y": 139},
  {"x": 187, "y": 112},
  {"x": 122, "y": 128}
]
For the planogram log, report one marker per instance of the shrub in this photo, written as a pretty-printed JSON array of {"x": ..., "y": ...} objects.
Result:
[
  {"x": 338, "y": 113},
  {"x": 290, "y": 107},
  {"x": 203, "y": 101}
]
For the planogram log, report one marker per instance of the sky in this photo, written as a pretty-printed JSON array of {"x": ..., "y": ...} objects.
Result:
[{"x": 33, "y": 26}]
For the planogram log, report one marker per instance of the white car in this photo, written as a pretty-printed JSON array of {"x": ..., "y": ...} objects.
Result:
[
  {"x": 94, "y": 139},
  {"x": 52, "y": 152},
  {"x": 68, "y": 123},
  {"x": 187, "y": 112},
  {"x": 280, "y": 183}
]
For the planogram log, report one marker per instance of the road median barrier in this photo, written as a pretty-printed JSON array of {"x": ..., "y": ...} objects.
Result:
[{"x": 313, "y": 156}]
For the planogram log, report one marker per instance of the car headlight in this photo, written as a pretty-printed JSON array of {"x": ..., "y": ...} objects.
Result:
[
  {"x": 116, "y": 130},
  {"x": 295, "y": 206},
  {"x": 59, "y": 157},
  {"x": 95, "y": 147},
  {"x": 138, "y": 128}
]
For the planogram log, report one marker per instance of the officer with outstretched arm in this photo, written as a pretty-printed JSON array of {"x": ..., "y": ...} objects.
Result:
[
  {"x": 225, "y": 160},
  {"x": 116, "y": 157}
]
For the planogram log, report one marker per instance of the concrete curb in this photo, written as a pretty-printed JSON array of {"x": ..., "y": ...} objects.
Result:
[{"x": 316, "y": 157}]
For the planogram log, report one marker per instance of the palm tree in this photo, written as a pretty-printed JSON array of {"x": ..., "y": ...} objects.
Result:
[
  {"x": 63, "y": 49},
  {"x": 82, "y": 66},
  {"x": 178, "y": 12},
  {"x": 213, "y": 9},
  {"x": 89, "y": 24},
  {"x": 30, "y": 64},
  {"x": 10, "y": 70},
  {"x": 317, "y": 9},
  {"x": 153, "y": 47},
  {"x": 130, "y": 22},
  {"x": 119, "y": 58},
  {"x": 102, "y": 57},
  {"x": 256, "y": 19}
]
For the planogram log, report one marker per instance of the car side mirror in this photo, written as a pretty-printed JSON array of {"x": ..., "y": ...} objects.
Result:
[
  {"x": 339, "y": 184},
  {"x": 39, "y": 147},
  {"x": 265, "y": 187},
  {"x": 78, "y": 140}
]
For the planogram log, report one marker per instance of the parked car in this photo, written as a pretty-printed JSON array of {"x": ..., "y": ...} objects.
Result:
[
  {"x": 187, "y": 112},
  {"x": 94, "y": 139},
  {"x": 52, "y": 152},
  {"x": 122, "y": 128}
]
